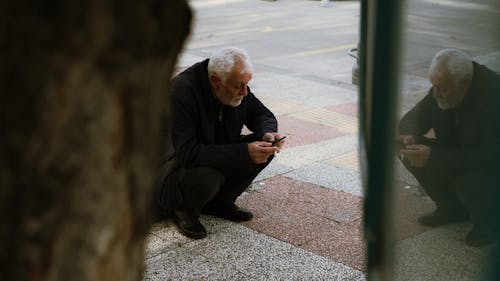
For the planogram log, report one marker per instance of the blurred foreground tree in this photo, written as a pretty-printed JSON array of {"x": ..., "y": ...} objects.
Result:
[{"x": 83, "y": 97}]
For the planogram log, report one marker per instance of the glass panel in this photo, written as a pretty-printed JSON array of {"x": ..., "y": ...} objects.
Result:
[{"x": 455, "y": 141}]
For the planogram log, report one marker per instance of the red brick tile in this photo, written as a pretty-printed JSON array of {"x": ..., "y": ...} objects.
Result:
[
  {"x": 346, "y": 108},
  {"x": 343, "y": 244},
  {"x": 320, "y": 220},
  {"x": 300, "y": 132}
]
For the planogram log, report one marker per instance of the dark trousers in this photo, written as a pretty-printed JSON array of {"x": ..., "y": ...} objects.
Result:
[
  {"x": 472, "y": 192},
  {"x": 196, "y": 187}
]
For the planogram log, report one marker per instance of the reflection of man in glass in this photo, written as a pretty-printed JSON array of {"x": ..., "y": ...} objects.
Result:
[{"x": 457, "y": 167}]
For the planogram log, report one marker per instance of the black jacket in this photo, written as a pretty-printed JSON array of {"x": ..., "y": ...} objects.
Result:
[
  {"x": 468, "y": 135},
  {"x": 194, "y": 138}
]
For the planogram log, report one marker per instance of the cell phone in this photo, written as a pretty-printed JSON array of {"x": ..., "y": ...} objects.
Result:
[{"x": 278, "y": 140}]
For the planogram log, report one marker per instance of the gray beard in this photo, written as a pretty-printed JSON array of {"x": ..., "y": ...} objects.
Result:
[{"x": 449, "y": 104}]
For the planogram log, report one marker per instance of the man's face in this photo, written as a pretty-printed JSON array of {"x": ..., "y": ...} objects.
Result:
[
  {"x": 234, "y": 89},
  {"x": 447, "y": 93}
]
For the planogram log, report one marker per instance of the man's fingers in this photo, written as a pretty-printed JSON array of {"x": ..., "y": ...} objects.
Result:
[
  {"x": 413, "y": 147},
  {"x": 407, "y": 152},
  {"x": 261, "y": 151},
  {"x": 413, "y": 150},
  {"x": 268, "y": 150},
  {"x": 264, "y": 144},
  {"x": 268, "y": 137}
]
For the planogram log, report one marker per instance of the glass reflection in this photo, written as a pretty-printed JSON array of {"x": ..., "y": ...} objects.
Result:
[{"x": 448, "y": 139}]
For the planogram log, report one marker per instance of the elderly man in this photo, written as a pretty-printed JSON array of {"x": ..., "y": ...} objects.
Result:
[
  {"x": 209, "y": 163},
  {"x": 457, "y": 167}
]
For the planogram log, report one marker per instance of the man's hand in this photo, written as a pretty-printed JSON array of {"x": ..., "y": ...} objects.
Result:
[
  {"x": 260, "y": 151},
  {"x": 416, "y": 155},
  {"x": 405, "y": 140},
  {"x": 270, "y": 137}
]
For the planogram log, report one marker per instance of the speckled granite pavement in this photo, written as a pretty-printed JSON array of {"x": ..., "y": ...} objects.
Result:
[{"x": 308, "y": 202}]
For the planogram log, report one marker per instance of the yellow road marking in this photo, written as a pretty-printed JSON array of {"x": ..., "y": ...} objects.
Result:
[{"x": 324, "y": 50}]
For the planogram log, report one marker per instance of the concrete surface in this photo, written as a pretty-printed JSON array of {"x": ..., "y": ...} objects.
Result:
[{"x": 308, "y": 202}]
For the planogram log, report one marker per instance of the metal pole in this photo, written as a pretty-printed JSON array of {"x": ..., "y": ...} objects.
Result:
[{"x": 379, "y": 61}]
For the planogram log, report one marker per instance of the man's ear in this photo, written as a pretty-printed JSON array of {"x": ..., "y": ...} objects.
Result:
[
  {"x": 466, "y": 84},
  {"x": 215, "y": 81}
]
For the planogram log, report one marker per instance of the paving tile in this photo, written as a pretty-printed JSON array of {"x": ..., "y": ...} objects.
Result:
[
  {"x": 415, "y": 82},
  {"x": 326, "y": 175},
  {"x": 343, "y": 244},
  {"x": 236, "y": 252},
  {"x": 342, "y": 122},
  {"x": 300, "y": 156},
  {"x": 410, "y": 204},
  {"x": 281, "y": 107},
  {"x": 300, "y": 132},
  {"x": 276, "y": 167},
  {"x": 323, "y": 221},
  {"x": 407, "y": 102},
  {"x": 346, "y": 108},
  {"x": 349, "y": 160},
  {"x": 164, "y": 235},
  {"x": 301, "y": 91},
  {"x": 154, "y": 245},
  {"x": 441, "y": 254},
  {"x": 491, "y": 60},
  {"x": 402, "y": 174},
  {"x": 187, "y": 59}
]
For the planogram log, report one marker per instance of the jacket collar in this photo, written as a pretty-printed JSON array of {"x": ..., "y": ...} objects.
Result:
[
  {"x": 473, "y": 91},
  {"x": 214, "y": 104}
]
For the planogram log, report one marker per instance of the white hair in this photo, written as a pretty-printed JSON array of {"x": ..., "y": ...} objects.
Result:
[
  {"x": 223, "y": 61},
  {"x": 452, "y": 62}
]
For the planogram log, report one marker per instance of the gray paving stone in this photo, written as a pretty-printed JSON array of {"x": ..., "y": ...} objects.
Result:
[
  {"x": 164, "y": 236},
  {"x": 187, "y": 59},
  {"x": 239, "y": 253},
  {"x": 329, "y": 176},
  {"x": 491, "y": 60},
  {"x": 301, "y": 91},
  {"x": 402, "y": 174},
  {"x": 440, "y": 254},
  {"x": 275, "y": 168}
]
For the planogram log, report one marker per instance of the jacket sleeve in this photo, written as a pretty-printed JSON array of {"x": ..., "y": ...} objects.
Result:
[
  {"x": 259, "y": 119},
  {"x": 449, "y": 161},
  {"x": 417, "y": 121},
  {"x": 478, "y": 153},
  {"x": 190, "y": 150}
]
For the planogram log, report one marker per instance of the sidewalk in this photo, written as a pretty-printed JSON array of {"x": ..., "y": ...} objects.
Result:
[{"x": 308, "y": 202}]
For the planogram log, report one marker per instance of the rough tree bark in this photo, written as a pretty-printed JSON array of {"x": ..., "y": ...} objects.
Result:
[{"x": 83, "y": 98}]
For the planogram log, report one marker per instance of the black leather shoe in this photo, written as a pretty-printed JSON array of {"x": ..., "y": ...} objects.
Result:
[
  {"x": 480, "y": 236},
  {"x": 189, "y": 225},
  {"x": 228, "y": 212},
  {"x": 440, "y": 217}
]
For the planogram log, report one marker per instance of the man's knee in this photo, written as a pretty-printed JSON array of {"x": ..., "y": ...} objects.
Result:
[
  {"x": 205, "y": 174},
  {"x": 472, "y": 186},
  {"x": 202, "y": 181}
]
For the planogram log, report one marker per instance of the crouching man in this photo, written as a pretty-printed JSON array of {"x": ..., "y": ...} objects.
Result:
[
  {"x": 459, "y": 167},
  {"x": 209, "y": 163}
]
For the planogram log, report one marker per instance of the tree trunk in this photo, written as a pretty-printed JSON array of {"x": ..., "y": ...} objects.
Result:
[{"x": 83, "y": 99}]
